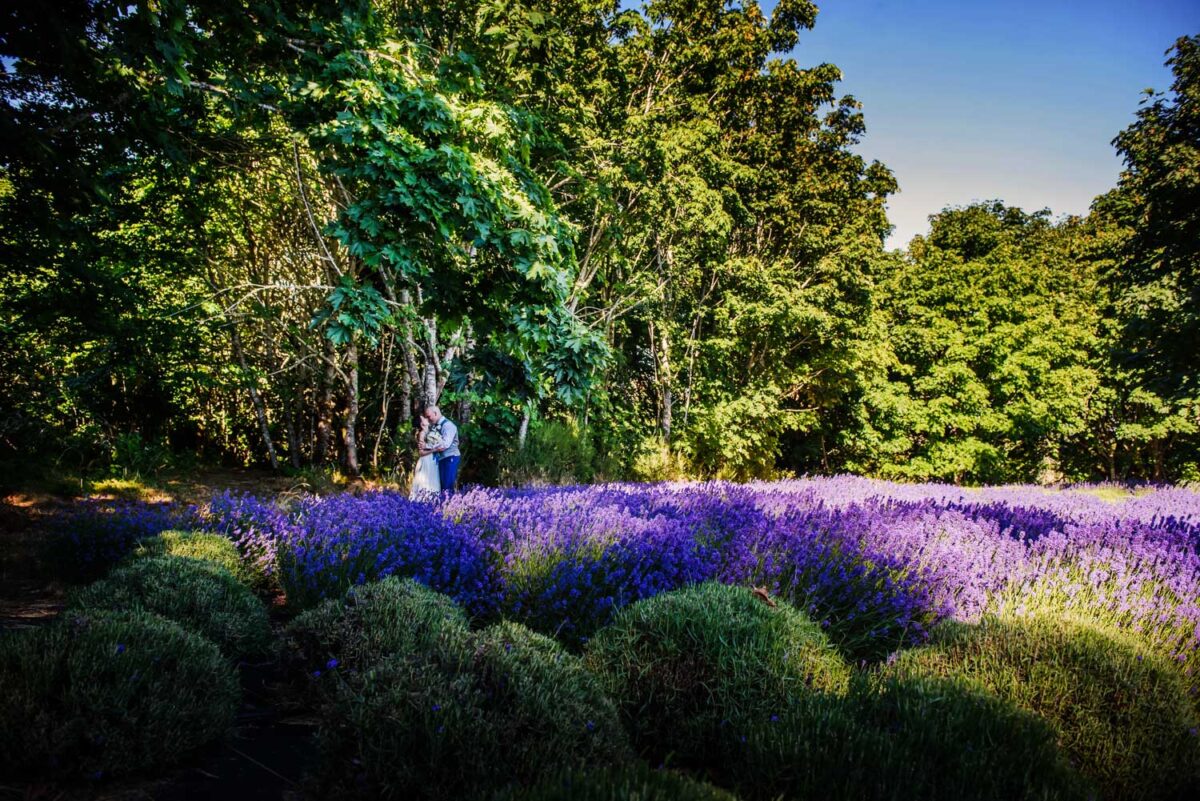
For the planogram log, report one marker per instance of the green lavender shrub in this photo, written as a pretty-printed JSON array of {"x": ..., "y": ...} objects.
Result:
[
  {"x": 212, "y": 548},
  {"x": 501, "y": 706},
  {"x": 637, "y": 782},
  {"x": 685, "y": 665},
  {"x": 895, "y": 740},
  {"x": 202, "y": 597},
  {"x": 392, "y": 617},
  {"x": 1119, "y": 711},
  {"x": 106, "y": 693}
]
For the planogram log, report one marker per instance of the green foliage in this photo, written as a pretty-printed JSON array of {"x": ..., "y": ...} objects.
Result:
[
  {"x": 272, "y": 237},
  {"x": 640, "y": 783},
  {"x": 202, "y": 546},
  {"x": 1121, "y": 714},
  {"x": 393, "y": 617},
  {"x": 506, "y": 706},
  {"x": 132, "y": 454},
  {"x": 555, "y": 452},
  {"x": 654, "y": 460},
  {"x": 739, "y": 437},
  {"x": 741, "y": 232},
  {"x": 444, "y": 198},
  {"x": 993, "y": 328},
  {"x": 898, "y": 740},
  {"x": 683, "y": 665},
  {"x": 99, "y": 693},
  {"x": 200, "y": 596},
  {"x": 1160, "y": 304}
]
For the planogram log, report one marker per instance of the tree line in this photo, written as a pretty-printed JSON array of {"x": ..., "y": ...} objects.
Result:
[{"x": 613, "y": 243}]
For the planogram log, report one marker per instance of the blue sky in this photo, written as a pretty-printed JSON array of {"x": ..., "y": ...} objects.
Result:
[{"x": 974, "y": 100}]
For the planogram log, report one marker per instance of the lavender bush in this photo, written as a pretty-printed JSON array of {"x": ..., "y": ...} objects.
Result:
[
  {"x": 256, "y": 526},
  {"x": 96, "y": 534}
]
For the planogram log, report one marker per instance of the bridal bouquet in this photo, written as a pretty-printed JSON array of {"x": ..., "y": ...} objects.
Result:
[{"x": 433, "y": 438}]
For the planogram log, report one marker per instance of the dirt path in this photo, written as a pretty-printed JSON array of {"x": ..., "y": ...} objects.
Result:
[{"x": 29, "y": 595}]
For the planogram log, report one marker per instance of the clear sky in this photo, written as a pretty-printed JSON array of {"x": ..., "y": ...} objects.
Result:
[{"x": 975, "y": 99}]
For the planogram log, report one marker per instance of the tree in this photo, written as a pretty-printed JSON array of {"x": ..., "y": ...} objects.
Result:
[
  {"x": 1159, "y": 275},
  {"x": 994, "y": 325},
  {"x": 730, "y": 237},
  {"x": 425, "y": 214}
]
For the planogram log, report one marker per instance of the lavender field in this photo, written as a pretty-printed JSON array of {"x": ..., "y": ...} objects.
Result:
[
  {"x": 838, "y": 638},
  {"x": 876, "y": 563}
]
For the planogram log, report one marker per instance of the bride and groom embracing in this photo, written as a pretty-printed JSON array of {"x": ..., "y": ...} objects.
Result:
[{"x": 437, "y": 441}]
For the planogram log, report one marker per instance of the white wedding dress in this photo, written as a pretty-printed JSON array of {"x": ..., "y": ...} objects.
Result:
[{"x": 425, "y": 478}]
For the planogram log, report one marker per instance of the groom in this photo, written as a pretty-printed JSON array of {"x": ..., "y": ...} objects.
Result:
[{"x": 447, "y": 453}]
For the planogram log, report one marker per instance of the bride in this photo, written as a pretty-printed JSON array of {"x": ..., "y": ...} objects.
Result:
[{"x": 425, "y": 479}]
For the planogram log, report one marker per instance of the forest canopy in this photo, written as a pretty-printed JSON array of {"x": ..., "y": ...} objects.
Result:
[{"x": 610, "y": 242}]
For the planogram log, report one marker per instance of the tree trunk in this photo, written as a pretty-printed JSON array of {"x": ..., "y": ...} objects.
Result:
[
  {"x": 352, "y": 409},
  {"x": 435, "y": 377},
  {"x": 430, "y": 389},
  {"x": 405, "y": 403},
  {"x": 292, "y": 435},
  {"x": 410, "y": 358},
  {"x": 325, "y": 406},
  {"x": 523, "y": 431},
  {"x": 668, "y": 399},
  {"x": 429, "y": 393},
  {"x": 260, "y": 409},
  {"x": 464, "y": 411},
  {"x": 384, "y": 401}
]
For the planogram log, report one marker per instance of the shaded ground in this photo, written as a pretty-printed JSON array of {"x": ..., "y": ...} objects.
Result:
[
  {"x": 271, "y": 746},
  {"x": 29, "y": 590},
  {"x": 29, "y": 594},
  {"x": 264, "y": 757}
]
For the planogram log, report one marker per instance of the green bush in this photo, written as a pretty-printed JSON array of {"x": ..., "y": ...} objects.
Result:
[
  {"x": 555, "y": 452},
  {"x": 99, "y": 694},
  {"x": 686, "y": 664},
  {"x": 655, "y": 460},
  {"x": 396, "y": 616},
  {"x": 1120, "y": 712},
  {"x": 501, "y": 706},
  {"x": 898, "y": 740},
  {"x": 132, "y": 454},
  {"x": 638, "y": 782},
  {"x": 212, "y": 548},
  {"x": 199, "y": 596}
]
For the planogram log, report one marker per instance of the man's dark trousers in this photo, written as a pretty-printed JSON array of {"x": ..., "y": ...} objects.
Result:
[{"x": 448, "y": 472}]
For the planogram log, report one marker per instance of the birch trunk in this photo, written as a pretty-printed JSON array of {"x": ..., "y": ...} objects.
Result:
[
  {"x": 523, "y": 431},
  {"x": 289, "y": 418},
  {"x": 668, "y": 398}
]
